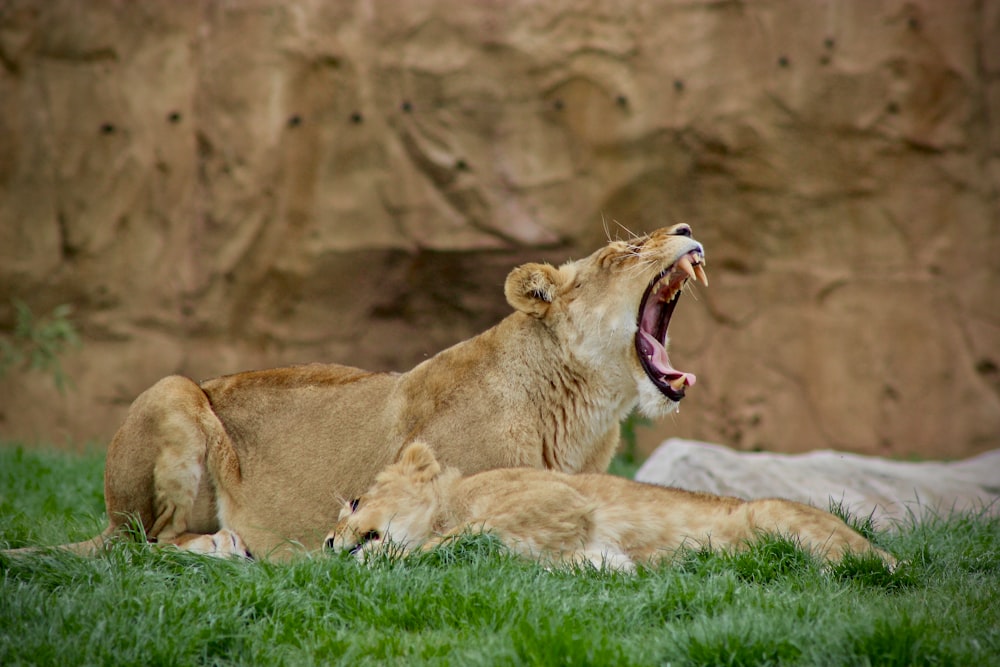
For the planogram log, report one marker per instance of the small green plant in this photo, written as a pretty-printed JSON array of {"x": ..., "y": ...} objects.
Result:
[
  {"x": 630, "y": 439},
  {"x": 626, "y": 461},
  {"x": 37, "y": 343}
]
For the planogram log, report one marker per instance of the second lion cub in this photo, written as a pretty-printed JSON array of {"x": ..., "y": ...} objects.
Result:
[{"x": 607, "y": 520}]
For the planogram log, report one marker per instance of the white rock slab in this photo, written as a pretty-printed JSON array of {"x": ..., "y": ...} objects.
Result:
[{"x": 865, "y": 485}]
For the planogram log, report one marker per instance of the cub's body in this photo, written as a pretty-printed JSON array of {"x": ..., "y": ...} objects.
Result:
[{"x": 598, "y": 518}]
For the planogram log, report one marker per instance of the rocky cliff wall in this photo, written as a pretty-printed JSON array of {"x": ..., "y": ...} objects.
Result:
[{"x": 218, "y": 186}]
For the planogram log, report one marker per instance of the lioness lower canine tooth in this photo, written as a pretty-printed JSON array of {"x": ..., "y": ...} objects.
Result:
[
  {"x": 678, "y": 383},
  {"x": 685, "y": 265},
  {"x": 700, "y": 272}
]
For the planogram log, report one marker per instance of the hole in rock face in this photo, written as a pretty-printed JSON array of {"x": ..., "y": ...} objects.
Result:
[{"x": 987, "y": 367}]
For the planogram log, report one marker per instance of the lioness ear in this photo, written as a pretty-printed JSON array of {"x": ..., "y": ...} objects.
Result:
[
  {"x": 531, "y": 288},
  {"x": 418, "y": 462}
]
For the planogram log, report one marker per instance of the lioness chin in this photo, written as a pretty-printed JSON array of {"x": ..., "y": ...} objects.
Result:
[
  {"x": 259, "y": 460},
  {"x": 598, "y": 518}
]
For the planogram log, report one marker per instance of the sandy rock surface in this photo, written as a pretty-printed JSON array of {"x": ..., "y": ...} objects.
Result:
[
  {"x": 865, "y": 485},
  {"x": 217, "y": 186}
]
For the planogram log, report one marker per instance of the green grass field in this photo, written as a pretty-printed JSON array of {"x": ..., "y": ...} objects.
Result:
[{"x": 471, "y": 603}]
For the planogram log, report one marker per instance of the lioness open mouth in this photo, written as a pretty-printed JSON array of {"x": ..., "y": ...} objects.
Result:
[{"x": 655, "y": 309}]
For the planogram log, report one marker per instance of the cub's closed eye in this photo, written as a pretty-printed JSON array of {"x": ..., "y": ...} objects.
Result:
[
  {"x": 354, "y": 504},
  {"x": 363, "y": 539}
]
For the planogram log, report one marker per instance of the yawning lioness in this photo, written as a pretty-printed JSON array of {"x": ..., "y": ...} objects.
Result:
[{"x": 258, "y": 460}]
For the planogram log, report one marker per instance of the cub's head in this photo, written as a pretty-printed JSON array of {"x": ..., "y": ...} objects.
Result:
[
  {"x": 610, "y": 311},
  {"x": 398, "y": 508}
]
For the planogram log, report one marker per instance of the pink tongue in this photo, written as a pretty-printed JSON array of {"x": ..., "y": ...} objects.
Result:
[{"x": 657, "y": 356}]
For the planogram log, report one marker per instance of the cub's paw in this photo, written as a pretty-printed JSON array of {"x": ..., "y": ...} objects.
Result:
[{"x": 223, "y": 544}]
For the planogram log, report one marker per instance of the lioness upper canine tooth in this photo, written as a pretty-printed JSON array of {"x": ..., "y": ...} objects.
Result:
[
  {"x": 700, "y": 272},
  {"x": 685, "y": 265}
]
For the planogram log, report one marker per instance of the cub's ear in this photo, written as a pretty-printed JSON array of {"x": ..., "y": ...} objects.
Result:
[
  {"x": 531, "y": 288},
  {"x": 418, "y": 462}
]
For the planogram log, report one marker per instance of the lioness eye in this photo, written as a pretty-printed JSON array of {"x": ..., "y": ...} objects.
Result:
[{"x": 354, "y": 504}]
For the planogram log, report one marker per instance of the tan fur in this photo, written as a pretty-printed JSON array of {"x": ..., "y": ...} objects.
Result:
[
  {"x": 270, "y": 454},
  {"x": 602, "y": 519}
]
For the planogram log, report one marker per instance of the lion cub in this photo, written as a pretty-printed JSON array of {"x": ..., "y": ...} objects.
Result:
[{"x": 606, "y": 520}]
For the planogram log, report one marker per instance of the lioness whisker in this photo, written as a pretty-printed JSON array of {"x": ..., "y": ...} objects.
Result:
[
  {"x": 607, "y": 231},
  {"x": 632, "y": 235}
]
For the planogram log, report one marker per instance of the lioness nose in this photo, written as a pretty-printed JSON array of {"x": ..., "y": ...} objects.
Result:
[
  {"x": 330, "y": 543},
  {"x": 681, "y": 230}
]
